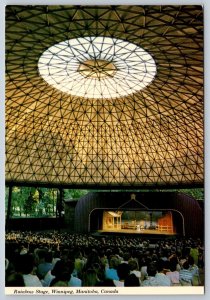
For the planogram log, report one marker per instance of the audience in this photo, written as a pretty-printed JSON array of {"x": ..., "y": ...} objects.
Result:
[{"x": 81, "y": 260}]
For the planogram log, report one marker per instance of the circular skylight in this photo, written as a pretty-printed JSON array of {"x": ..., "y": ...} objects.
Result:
[{"x": 97, "y": 67}]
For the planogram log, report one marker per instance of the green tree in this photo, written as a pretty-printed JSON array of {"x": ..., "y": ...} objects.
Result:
[
  {"x": 19, "y": 195},
  {"x": 74, "y": 194},
  {"x": 30, "y": 204},
  {"x": 198, "y": 194}
]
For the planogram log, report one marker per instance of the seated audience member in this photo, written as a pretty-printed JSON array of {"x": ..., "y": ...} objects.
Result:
[
  {"x": 48, "y": 278},
  {"x": 173, "y": 274},
  {"x": 26, "y": 268},
  {"x": 90, "y": 278},
  {"x": 123, "y": 271},
  {"x": 55, "y": 257},
  {"x": 106, "y": 282},
  {"x": 44, "y": 264},
  {"x": 126, "y": 257},
  {"x": 103, "y": 258},
  {"x": 93, "y": 257},
  {"x": 56, "y": 273},
  {"x": 99, "y": 268},
  {"x": 61, "y": 274},
  {"x": 150, "y": 280},
  {"x": 111, "y": 269},
  {"x": 194, "y": 270},
  {"x": 185, "y": 274},
  {"x": 79, "y": 263},
  {"x": 134, "y": 269},
  {"x": 160, "y": 276},
  {"x": 145, "y": 261},
  {"x": 194, "y": 252},
  {"x": 60, "y": 283},
  {"x": 74, "y": 281}
]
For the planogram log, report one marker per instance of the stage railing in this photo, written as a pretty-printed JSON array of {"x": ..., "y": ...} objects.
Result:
[{"x": 167, "y": 228}]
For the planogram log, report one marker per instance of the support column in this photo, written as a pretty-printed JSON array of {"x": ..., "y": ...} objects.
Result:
[
  {"x": 59, "y": 208},
  {"x": 9, "y": 208}
]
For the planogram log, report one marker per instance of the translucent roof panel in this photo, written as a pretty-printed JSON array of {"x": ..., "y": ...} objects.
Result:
[
  {"x": 97, "y": 67},
  {"x": 104, "y": 95}
]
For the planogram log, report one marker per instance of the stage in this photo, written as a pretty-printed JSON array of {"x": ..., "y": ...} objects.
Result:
[{"x": 137, "y": 232}]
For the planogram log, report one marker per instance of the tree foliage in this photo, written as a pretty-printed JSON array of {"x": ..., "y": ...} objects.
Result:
[
  {"x": 32, "y": 201},
  {"x": 198, "y": 194},
  {"x": 74, "y": 194}
]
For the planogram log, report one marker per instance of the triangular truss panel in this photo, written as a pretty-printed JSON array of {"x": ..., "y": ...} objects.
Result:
[{"x": 104, "y": 95}]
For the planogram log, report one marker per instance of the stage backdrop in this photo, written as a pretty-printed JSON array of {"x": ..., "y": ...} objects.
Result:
[{"x": 188, "y": 216}]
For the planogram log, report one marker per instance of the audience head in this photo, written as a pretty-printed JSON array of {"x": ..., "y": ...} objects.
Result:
[
  {"x": 152, "y": 269},
  {"x": 131, "y": 280},
  {"x": 162, "y": 265},
  {"x": 186, "y": 265},
  {"x": 61, "y": 271},
  {"x": 114, "y": 262},
  {"x": 59, "y": 283},
  {"x": 90, "y": 278},
  {"x": 123, "y": 271},
  {"x": 25, "y": 263},
  {"x": 133, "y": 264},
  {"x": 15, "y": 280},
  {"x": 191, "y": 260},
  {"x": 172, "y": 266}
]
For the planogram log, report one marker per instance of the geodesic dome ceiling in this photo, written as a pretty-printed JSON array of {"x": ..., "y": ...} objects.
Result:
[{"x": 104, "y": 95}]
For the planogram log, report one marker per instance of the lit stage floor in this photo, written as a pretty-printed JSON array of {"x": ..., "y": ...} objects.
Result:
[{"x": 141, "y": 232}]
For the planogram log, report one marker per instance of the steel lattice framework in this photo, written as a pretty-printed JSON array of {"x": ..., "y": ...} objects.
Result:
[{"x": 151, "y": 135}]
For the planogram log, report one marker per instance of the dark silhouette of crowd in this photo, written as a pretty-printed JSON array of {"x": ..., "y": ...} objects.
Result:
[{"x": 44, "y": 259}]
